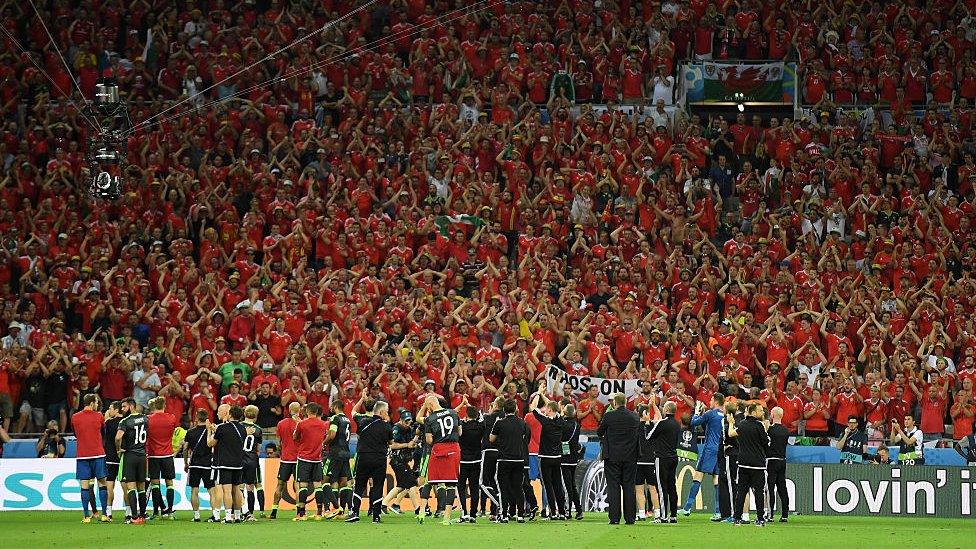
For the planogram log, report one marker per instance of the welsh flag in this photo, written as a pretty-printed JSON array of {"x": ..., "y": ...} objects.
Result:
[
  {"x": 446, "y": 223},
  {"x": 756, "y": 82}
]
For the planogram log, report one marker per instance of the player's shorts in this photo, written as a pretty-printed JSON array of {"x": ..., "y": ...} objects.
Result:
[
  {"x": 286, "y": 470},
  {"x": 111, "y": 471},
  {"x": 646, "y": 474},
  {"x": 162, "y": 467},
  {"x": 229, "y": 476},
  {"x": 201, "y": 474},
  {"x": 405, "y": 476},
  {"x": 132, "y": 468},
  {"x": 336, "y": 469},
  {"x": 445, "y": 463},
  {"x": 87, "y": 469},
  {"x": 707, "y": 463},
  {"x": 533, "y": 467},
  {"x": 252, "y": 473},
  {"x": 310, "y": 471}
]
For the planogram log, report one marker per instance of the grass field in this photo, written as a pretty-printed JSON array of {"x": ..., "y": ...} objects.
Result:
[{"x": 55, "y": 529}]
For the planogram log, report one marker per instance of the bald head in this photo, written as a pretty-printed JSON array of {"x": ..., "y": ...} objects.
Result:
[
  {"x": 776, "y": 415},
  {"x": 222, "y": 411},
  {"x": 433, "y": 403},
  {"x": 294, "y": 408}
]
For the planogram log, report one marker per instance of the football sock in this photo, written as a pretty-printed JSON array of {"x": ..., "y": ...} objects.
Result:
[
  {"x": 274, "y": 511},
  {"x": 103, "y": 500},
  {"x": 170, "y": 498},
  {"x": 328, "y": 497},
  {"x": 260, "y": 497},
  {"x": 85, "y": 501},
  {"x": 133, "y": 498},
  {"x": 157, "y": 499},
  {"x": 692, "y": 494},
  {"x": 142, "y": 503},
  {"x": 319, "y": 500},
  {"x": 345, "y": 497},
  {"x": 196, "y": 515},
  {"x": 250, "y": 501},
  {"x": 300, "y": 506}
]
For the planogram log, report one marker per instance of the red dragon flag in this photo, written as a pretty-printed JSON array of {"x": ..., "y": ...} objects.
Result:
[{"x": 756, "y": 82}]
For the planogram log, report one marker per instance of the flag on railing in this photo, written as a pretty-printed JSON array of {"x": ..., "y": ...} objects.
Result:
[{"x": 756, "y": 82}]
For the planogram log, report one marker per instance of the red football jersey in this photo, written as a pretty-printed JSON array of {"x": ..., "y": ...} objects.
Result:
[
  {"x": 311, "y": 434},
  {"x": 87, "y": 425},
  {"x": 161, "y": 427},
  {"x": 286, "y": 432}
]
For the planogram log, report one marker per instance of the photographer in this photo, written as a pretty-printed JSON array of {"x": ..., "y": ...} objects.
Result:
[
  {"x": 50, "y": 445},
  {"x": 909, "y": 441},
  {"x": 852, "y": 442}
]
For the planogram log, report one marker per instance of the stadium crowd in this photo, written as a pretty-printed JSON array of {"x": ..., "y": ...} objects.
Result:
[{"x": 444, "y": 210}]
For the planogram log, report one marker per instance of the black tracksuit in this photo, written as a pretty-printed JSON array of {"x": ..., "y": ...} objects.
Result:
[
  {"x": 375, "y": 436},
  {"x": 550, "y": 459},
  {"x": 513, "y": 453},
  {"x": 753, "y": 450},
  {"x": 664, "y": 436},
  {"x": 776, "y": 469},
  {"x": 489, "y": 462},
  {"x": 469, "y": 478},
  {"x": 728, "y": 470},
  {"x": 570, "y": 459}
]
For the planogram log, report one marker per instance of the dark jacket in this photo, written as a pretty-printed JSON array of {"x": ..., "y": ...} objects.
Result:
[
  {"x": 753, "y": 443},
  {"x": 618, "y": 431}
]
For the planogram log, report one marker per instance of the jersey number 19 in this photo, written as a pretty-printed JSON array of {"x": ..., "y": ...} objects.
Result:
[{"x": 446, "y": 424}]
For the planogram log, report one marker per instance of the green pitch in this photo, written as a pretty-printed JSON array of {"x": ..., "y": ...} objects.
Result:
[{"x": 63, "y": 529}]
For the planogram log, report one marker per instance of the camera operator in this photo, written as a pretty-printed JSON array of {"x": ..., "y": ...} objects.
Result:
[{"x": 50, "y": 445}]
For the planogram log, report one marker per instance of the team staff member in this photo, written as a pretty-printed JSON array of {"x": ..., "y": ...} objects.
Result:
[
  {"x": 664, "y": 433},
  {"x": 713, "y": 422},
  {"x": 251, "y": 476},
  {"x": 375, "y": 435},
  {"x": 546, "y": 412},
  {"x": 728, "y": 475},
  {"x": 572, "y": 453},
  {"x": 779, "y": 437},
  {"x": 198, "y": 464},
  {"x": 646, "y": 474},
  {"x": 160, "y": 449},
  {"x": 852, "y": 442},
  {"x": 469, "y": 481},
  {"x": 309, "y": 434},
  {"x": 618, "y": 431},
  {"x": 130, "y": 439},
  {"x": 87, "y": 425},
  {"x": 289, "y": 453},
  {"x": 753, "y": 447},
  {"x": 909, "y": 441},
  {"x": 489, "y": 457},
  {"x": 511, "y": 436},
  {"x": 227, "y": 439},
  {"x": 113, "y": 415}
]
